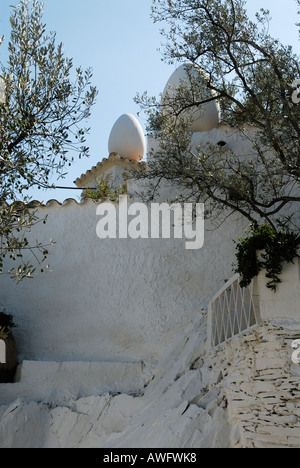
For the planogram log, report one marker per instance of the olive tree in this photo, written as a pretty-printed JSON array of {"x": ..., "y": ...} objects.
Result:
[
  {"x": 44, "y": 106},
  {"x": 252, "y": 77}
]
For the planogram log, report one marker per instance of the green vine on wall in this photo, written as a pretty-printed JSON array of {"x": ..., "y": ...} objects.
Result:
[{"x": 276, "y": 247}]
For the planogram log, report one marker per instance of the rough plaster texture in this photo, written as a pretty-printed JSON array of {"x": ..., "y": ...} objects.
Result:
[
  {"x": 56, "y": 381},
  {"x": 285, "y": 303},
  {"x": 127, "y": 318},
  {"x": 243, "y": 394},
  {"x": 178, "y": 408},
  {"x": 122, "y": 307},
  {"x": 241, "y": 144},
  {"x": 111, "y": 299}
]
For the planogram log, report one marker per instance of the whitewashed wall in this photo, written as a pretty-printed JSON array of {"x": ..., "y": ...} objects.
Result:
[
  {"x": 117, "y": 299},
  {"x": 112, "y": 299}
]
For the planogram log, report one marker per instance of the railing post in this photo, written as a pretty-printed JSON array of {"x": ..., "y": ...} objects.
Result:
[{"x": 209, "y": 327}]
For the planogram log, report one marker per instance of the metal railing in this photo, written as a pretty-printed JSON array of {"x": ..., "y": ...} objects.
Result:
[{"x": 232, "y": 310}]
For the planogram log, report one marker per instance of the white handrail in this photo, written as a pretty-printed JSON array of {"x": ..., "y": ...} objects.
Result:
[{"x": 232, "y": 310}]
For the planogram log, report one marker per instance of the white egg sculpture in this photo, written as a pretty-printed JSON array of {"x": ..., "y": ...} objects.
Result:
[
  {"x": 127, "y": 138},
  {"x": 204, "y": 117}
]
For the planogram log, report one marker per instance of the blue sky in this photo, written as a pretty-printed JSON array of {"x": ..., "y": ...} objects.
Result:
[{"x": 118, "y": 39}]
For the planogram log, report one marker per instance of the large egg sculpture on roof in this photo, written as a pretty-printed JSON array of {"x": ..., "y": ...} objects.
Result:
[
  {"x": 127, "y": 138},
  {"x": 203, "y": 117}
]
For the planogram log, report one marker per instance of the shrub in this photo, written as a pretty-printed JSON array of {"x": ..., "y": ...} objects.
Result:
[{"x": 276, "y": 247}]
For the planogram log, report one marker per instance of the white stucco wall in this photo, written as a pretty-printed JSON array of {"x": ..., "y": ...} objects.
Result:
[
  {"x": 112, "y": 299},
  {"x": 117, "y": 299},
  {"x": 239, "y": 143}
]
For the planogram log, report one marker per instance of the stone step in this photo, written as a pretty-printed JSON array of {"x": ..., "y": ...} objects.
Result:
[{"x": 46, "y": 381}]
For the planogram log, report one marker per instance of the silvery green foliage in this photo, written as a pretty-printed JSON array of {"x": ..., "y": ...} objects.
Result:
[
  {"x": 43, "y": 114},
  {"x": 251, "y": 76}
]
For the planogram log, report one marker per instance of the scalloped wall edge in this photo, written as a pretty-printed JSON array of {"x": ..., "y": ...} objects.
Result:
[{"x": 67, "y": 202}]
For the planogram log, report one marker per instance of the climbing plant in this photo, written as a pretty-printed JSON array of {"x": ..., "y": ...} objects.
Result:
[
  {"x": 105, "y": 190},
  {"x": 265, "y": 248}
]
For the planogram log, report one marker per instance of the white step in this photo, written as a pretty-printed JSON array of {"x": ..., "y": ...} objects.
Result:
[{"x": 57, "y": 381}]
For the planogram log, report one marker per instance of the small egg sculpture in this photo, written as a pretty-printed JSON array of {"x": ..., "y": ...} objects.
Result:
[{"x": 127, "y": 138}]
